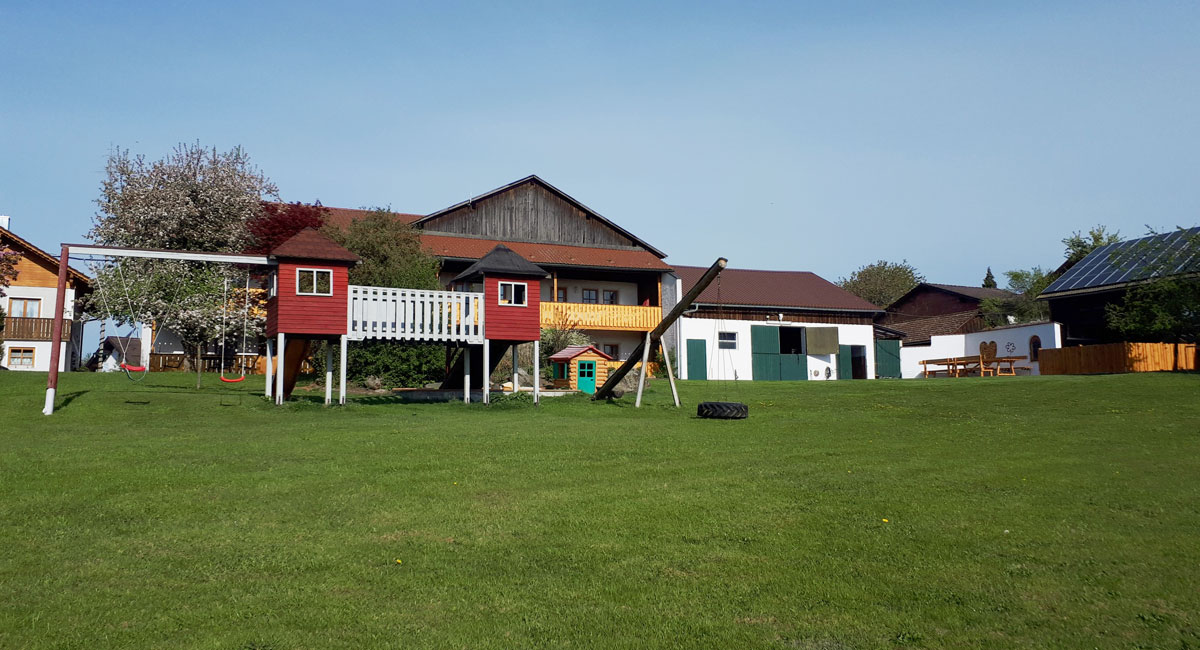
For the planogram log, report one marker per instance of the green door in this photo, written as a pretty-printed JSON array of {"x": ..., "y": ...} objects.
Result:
[
  {"x": 697, "y": 359},
  {"x": 793, "y": 367},
  {"x": 844, "y": 363},
  {"x": 764, "y": 339},
  {"x": 887, "y": 359},
  {"x": 586, "y": 380}
]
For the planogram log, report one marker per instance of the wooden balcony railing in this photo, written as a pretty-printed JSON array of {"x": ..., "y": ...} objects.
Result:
[
  {"x": 32, "y": 329},
  {"x": 630, "y": 318}
]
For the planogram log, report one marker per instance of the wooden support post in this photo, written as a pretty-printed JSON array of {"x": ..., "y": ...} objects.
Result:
[
  {"x": 60, "y": 303},
  {"x": 270, "y": 368},
  {"x": 467, "y": 375},
  {"x": 516, "y": 378},
  {"x": 537, "y": 371},
  {"x": 642, "y": 375},
  {"x": 487, "y": 375},
  {"x": 670, "y": 375},
  {"x": 281, "y": 345},
  {"x": 342, "y": 363},
  {"x": 328, "y": 373}
]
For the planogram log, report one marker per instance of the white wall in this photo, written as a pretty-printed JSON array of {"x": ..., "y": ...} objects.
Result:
[
  {"x": 627, "y": 292},
  {"x": 1010, "y": 341},
  {"x": 41, "y": 349},
  {"x": 738, "y": 364}
]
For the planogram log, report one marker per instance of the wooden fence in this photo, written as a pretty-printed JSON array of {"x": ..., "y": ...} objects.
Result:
[
  {"x": 255, "y": 365},
  {"x": 1117, "y": 358}
]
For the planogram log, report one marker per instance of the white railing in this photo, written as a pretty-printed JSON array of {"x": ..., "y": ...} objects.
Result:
[{"x": 414, "y": 315}]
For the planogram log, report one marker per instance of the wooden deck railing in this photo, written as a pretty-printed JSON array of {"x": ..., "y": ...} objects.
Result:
[
  {"x": 1118, "y": 358},
  {"x": 414, "y": 314},
  {"x": 32, "y": 329},
  {"x": 630, "y": 318}
]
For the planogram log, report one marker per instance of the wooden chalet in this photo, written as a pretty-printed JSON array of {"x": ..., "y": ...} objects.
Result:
[
  {"x": 930, "y": 309},
  {"x": 29, "y": 304},
  {"x": 603, "y": 279}
]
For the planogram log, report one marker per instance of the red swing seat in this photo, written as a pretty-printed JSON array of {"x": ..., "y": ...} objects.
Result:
[
  {"x": 126, "y": 366},
  {"x": 235, "y": 380}
]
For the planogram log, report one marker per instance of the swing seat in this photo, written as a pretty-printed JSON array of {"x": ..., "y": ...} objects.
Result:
[
  {"x": 126, "y": 366},
  {"x": 235, "y": 380}
]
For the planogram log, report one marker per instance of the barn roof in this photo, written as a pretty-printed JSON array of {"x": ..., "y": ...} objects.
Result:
[
  {"x": 472, "y": 248},
  {"x": 572, "y": 351},
  {"x": 918, "y": 331},
  {"x": 315, "y": 245},
  {"x": 786, "y": 289},
  {"x": 502, "y": 260}
]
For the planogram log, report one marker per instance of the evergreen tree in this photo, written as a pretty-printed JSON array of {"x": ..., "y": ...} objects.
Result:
[{"x": 989, "y": 280}]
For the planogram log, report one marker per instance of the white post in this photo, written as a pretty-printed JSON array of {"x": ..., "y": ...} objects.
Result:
[
  {"x": 642, "y": 374},
  {"x": 516, "y": 387},
  {"x": 147, "y": 344},
  {"x": 342, "y": 362},
  {"x": 281, "y": 345},
  {"x": 328, "y": 372},
  {"x": 467, "y": 375},
  {"x": 270, "y": 368},
  {"x": 537, "y": 371},
  {"x": 487, "y": 378},
  {"x": 670, "y": 375}
]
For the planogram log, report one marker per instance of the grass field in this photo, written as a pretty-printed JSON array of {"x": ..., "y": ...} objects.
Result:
[{"x": 998, "y": 512}]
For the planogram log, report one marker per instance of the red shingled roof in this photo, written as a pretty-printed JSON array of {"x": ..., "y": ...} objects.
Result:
[
  {"x": 918, "y": 331},
  {"x": 312, "y": 244},
  {"x": 470, "y": 248},
  {"x": 572, "y": 351},
  {"x": 798, "y": 289}
]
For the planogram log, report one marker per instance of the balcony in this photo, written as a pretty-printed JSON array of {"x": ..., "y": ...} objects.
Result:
[
  {"x": 32, "y": 329},
  {"x": 628, "y": 318}
]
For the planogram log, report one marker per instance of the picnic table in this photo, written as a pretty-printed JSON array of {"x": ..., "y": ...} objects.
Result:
[{"x": 964, "y": 366}]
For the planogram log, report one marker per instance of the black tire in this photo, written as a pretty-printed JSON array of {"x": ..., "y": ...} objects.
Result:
[{"x": 722, "y": 410}]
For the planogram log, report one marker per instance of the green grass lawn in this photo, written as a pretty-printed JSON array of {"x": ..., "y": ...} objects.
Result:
[{"x": 998, "y": 512}]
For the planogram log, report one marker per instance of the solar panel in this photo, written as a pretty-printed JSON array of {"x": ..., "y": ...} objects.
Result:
[{"x": 1136, "y": 259}]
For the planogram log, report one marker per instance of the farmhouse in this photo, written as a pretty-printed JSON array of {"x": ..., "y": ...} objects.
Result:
[
  {"x": 929, "y": 310},
  {"x": 778, "y": 325},
  {"x": 603, "y": 279},
  {"x": 29, "y": 308}
]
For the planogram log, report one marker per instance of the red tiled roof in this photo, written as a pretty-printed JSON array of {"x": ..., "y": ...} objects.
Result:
[
  {"x": 799, "y": 289},
  {"x": 312, "y": 244},
  {"x": 979, "y": 293},
  {"x": 470, "y": 248},
  {"x": 919, "y": 330},
  {"x": 572, "y": 351},
  {"x": 341, "y": 217}
]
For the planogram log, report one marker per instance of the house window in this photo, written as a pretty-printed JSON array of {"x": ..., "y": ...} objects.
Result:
[
  {"x": 590, "y": 296},
  {"x": 273, "y": 285},
  {"x": 1035, "y": 346},
  {"x": 610, "y": 297},
  {"x": 314, "y": 282},
  {"x": 513, "y": 294},
  {"x": 727, "y": 340},
  {"x": 562, "y": 295},
  {"x": 612, "y": 350},
  {"x": 25, "y": 307},
  {"x": 20, "y": 358}
]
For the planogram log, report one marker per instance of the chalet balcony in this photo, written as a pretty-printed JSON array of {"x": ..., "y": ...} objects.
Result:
[
  {"x": 629, "y": 318},
  {"x": 32, "y": 329}
]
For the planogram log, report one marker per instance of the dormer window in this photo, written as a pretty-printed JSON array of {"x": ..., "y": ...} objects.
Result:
[
  {"x": 513, "y": 294},
  {"x": 314, "y": 282}
]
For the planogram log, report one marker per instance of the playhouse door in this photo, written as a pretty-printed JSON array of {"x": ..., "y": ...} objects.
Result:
[{"x": 587, "y": 377}]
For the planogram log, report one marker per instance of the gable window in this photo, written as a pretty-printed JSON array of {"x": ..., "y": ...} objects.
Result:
[
  {"x": 727, "y": 340},
  {"x": 610, "y": 297},
  {"x": 25, "y": 307},
  {"x": 20, "y": 358},
  {"x": 562, "y": 295},
  {"x": 590, "y": 296},
  {"x": 513, "y": 294},
  {"x": 314, "y": 282},
  {"x": 612, "y": 350}
]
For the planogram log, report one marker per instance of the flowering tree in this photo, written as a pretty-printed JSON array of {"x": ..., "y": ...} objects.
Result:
[{"x": 194, "y": 199}]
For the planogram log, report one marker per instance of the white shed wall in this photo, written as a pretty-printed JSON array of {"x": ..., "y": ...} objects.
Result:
[
  {"x": 738, "y": 363},
  {"x": 961, "y": 345}
]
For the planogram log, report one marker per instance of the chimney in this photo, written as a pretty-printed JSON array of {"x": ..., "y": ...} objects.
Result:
[{"x": 4, "y": 221}]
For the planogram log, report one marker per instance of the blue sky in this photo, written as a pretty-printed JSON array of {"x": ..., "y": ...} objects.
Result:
[{"x": 804, "y": 136}]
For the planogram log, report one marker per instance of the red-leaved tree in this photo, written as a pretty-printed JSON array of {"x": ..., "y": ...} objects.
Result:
[{"x": 279, "y": 221}]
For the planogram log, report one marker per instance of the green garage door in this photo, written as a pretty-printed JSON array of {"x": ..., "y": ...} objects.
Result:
[
  {"x": 793, "y": 367},
  {"x": 887, "y": 359},
  {"x": 845, "y": 366},
  {"x": 697, "y": 359},
  {"x": 764, "y": 352}
]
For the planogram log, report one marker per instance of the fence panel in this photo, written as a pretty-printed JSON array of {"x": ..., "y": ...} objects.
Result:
[{"x": 1117, "y": 358}]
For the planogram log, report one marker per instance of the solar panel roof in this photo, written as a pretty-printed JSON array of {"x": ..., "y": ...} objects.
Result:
[{"x": 1137, "y": 259}]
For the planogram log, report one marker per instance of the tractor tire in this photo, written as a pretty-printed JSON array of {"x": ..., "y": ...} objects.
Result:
[{"x": 722, "y": 410}]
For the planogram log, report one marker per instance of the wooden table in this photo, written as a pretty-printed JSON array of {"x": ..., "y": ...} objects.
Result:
[
  {"x": 1011, "y": 361},
  {"x": 955, "y": 366}
]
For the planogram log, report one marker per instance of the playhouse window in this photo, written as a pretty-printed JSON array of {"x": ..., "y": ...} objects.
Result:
[
  {"x": 590, "y": 296},
  {"x": 727, "y": 340},
  {"x": 513, "y": 294},
  {"x": 314, "y": 282},
  {"x": 20, "y": 358},
  {"x": 25, "y": 307},
  {"x": 610, "y": 297}
]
